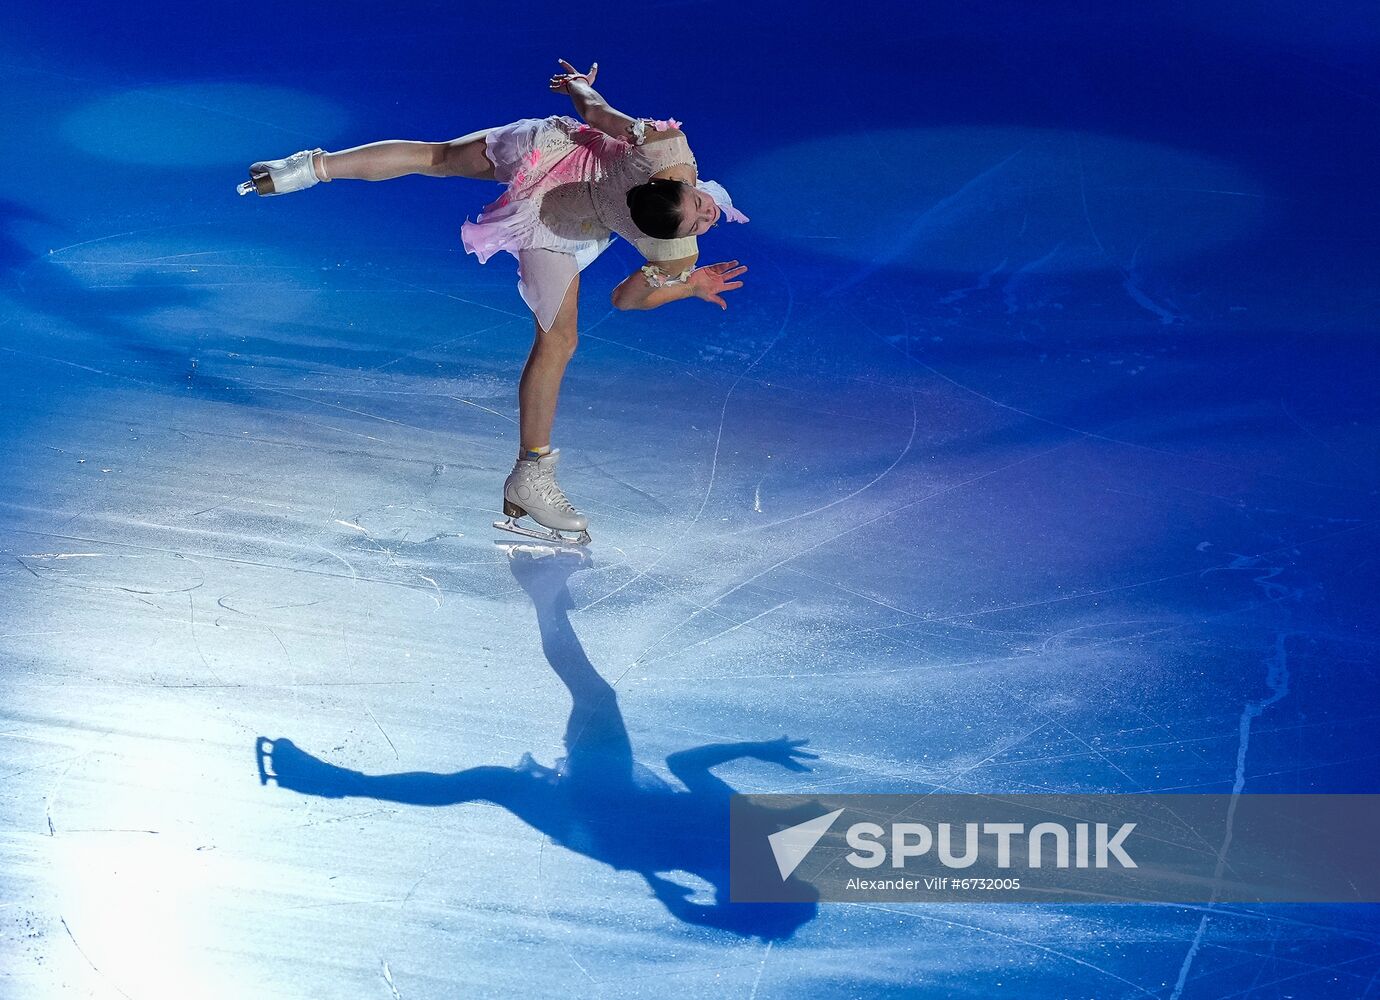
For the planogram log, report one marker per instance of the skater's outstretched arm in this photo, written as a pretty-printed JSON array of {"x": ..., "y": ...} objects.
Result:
[
  {"x": 666, "y": 281},
  {"x": 592, "y": 107}
]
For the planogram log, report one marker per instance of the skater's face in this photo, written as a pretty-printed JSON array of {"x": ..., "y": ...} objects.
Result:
[{"x": 697, "y": 212}]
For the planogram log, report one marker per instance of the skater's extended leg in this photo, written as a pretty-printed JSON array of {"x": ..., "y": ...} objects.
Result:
[
  {"x": 377, "y": 161},
  {"x": 381, "y": 161}
]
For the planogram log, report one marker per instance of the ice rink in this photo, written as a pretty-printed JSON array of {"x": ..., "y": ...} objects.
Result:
[{"x": 1038, "y": 453}]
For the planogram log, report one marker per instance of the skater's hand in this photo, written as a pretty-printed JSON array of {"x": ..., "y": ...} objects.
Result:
[
  {"x": 786, "y": 752},
  {"x": 668, "y": 892},
  {"x": 560, "y": 83},
  {"x": 710, "y": 281}
]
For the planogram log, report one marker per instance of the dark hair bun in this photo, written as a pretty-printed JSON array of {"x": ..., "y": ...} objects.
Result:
[{"x": 655, "y": 207}]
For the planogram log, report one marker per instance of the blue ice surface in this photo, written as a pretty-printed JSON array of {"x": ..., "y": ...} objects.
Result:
[{"x": 1038, "y": 453}]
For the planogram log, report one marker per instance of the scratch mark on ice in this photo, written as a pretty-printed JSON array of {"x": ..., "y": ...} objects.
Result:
[
  {"x": 385, "y": 735},
  {"x": 716, "y": 635},
  {"x": 429, "y": 580},
  {"x": 1277, "y": 680},
  {"x": 984, "y": 283},
  {"x": 388, "y": 978},
  {"x": 756, "y": 981},
  {"x": 477, "y": 406},
  {"x": 1021, "y": 274},
  {"x": 84, "y": 955}
]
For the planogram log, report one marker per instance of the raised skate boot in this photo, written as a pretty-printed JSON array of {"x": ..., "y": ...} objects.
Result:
[
  {"x": 531, "y": 491},
  {"x": 281, "y": 762},
  {"x": 293, "y": 173}
]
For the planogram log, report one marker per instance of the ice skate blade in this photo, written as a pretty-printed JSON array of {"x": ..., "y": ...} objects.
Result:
[
  {"x": 547, "y": 535},
  {"x": 260, "y": 183},
  {"x": 263, "y": 750},
  {"x": 532, "y": 551}
]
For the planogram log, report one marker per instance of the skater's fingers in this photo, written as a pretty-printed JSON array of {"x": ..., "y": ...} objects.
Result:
[
  {"x": 735, "y": 272},
  {"x": 732, "y": 285},
  {"x": 568, "y": 68}
]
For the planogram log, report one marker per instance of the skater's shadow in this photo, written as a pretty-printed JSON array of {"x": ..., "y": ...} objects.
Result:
[{"x": 598, "y": 800}]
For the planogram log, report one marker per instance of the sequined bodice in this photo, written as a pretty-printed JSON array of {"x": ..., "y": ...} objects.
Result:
[{"x": 584, "y": 193}]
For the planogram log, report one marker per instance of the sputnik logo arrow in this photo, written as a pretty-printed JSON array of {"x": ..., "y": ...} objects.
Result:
[{"x": 791, "y": 845}]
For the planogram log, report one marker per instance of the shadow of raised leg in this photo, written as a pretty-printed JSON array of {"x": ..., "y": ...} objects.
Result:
[
  {"x": 281, "y": 762},
  {"x": 519, "y": 788}
]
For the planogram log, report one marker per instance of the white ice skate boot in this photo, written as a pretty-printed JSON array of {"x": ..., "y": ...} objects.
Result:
[
  {"x": 293, "y": 173},
  {"x": 531, "y": 491}
]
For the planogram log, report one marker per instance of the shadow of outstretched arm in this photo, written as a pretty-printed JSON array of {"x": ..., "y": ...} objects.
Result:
[{"x": 693, "y": 767}]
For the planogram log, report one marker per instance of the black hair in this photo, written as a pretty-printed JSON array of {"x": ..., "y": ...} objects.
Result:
[{"x": 655, "y": 207}]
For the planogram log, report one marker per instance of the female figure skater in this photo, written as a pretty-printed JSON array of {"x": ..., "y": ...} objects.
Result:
[{"x": 570, "y": 186}]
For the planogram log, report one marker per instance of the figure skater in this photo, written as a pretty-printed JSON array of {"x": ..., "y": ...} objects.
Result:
[{"x": 570, "y": 186}]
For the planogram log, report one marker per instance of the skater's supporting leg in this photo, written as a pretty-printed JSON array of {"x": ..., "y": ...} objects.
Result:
[
  {"x": 531, "y": 488},
  {"x": 381, "y": 161},
  {"x": 541, "y": 377}
]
